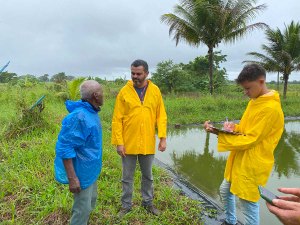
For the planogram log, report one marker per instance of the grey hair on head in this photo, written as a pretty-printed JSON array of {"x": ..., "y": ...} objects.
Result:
[{"x": 88, "y": 88}]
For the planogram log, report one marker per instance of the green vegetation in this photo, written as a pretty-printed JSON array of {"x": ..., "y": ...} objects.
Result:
[
  {"x": 28, "y": 192},
  {"x": 179, "y": 78},
  {"x": 229, "y": 101},
  {"x": 196, "y": 92}
]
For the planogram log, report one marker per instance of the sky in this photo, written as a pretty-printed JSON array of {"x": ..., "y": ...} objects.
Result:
[{"x": 102, "y": 38}]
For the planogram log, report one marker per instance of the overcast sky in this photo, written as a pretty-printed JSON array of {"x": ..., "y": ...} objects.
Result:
[{"x": 102, "y": 38}]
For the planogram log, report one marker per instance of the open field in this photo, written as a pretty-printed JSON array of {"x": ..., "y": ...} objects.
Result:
[
  {"x": 28, "y": 192},
  {"x": 228, "y": 102}
]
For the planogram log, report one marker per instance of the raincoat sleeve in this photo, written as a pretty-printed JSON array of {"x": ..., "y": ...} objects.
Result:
[
  {"x": 161, "y": 118},
  {"x": 261, "y": 128},
  {"x": 236, "y": 127},
  {"x": 72, "y": 135},
  {"x": 117, "y": 122}
]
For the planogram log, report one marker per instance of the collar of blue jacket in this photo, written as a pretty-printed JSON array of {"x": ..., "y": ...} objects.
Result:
[{"x": 72, "y": 105}]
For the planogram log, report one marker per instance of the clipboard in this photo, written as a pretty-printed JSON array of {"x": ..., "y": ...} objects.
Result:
[{"x": 221, "y": 130}]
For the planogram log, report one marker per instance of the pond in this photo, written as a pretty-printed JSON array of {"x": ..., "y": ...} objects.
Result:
[{"x": 191, "y": 152}]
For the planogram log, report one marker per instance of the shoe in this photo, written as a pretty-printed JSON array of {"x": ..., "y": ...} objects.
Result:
[
  {"x": 151, "y": 209},
  {"x": 123, "y": 212}
]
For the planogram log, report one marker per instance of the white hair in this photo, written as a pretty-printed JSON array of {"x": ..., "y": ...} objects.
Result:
[{"x": 88, "y": 87}]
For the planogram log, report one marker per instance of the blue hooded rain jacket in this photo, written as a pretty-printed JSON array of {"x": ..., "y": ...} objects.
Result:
[{"x": 80, "y": 138}]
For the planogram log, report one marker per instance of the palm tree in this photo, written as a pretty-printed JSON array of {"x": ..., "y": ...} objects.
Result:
[
  {"x": 271, "y": 61},
  {"x": 282, "y": 54},
  {"x": 210, "y": 22}
]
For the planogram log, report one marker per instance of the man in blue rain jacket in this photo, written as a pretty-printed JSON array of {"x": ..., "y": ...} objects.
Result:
[{"x": 78, "y": 159}]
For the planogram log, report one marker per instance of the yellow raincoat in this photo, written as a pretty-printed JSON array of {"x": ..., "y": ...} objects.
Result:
[
  {"x": 134, "y": 123},
  {"x": 251, "y": 158}
]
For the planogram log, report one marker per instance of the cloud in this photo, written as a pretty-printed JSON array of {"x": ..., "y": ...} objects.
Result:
[{"x": 102, "y": 38}]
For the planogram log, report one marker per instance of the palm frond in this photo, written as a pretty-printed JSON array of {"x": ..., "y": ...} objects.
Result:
[
  {"x": 73, "y": 88},
  {"x": 244, "y": 11}
]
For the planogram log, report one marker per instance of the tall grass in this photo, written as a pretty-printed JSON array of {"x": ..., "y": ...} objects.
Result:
[
  {"x": 186, "y": 110},
  {"x": 228, "y": 102},
  {"x": 28, "y": 192}
]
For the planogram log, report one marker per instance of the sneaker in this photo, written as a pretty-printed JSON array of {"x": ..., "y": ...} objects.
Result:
[
  {"x": 123, "y": 212},
  {"x": 151, "y": 209}
]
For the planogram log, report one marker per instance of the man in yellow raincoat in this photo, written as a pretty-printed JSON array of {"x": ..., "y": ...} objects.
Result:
[
  {"x": 251, "y": 154},
  {"x": 139, "y": 109}
]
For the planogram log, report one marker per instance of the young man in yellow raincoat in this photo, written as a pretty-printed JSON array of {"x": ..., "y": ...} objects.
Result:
[
  {"x": 139, "y": 109},
  {"x": 251, "y": 155}
]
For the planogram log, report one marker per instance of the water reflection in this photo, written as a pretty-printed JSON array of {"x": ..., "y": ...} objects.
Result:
[
  {"x": 192, "y": 153},
  {"x": 286, "y": 155},
  {"x": 204, "y": 164},
  {"x": 200, "y": 168}
]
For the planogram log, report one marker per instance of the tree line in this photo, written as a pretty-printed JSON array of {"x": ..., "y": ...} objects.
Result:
[
  {"x": 13, "y": 78},
  {"x": 190, "y": 77}
]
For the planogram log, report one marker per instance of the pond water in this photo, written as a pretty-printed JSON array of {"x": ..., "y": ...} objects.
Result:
[{"x": 191, "y": 152}]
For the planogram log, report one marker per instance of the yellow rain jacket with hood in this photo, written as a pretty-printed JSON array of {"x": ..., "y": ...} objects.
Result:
[
  {"x": 134, "y": 122},
  {"x": 251, "y": 155}
]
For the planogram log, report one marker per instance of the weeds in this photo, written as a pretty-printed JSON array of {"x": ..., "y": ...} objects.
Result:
[
  {"x": 28, "y": 191},
  {"x": 30, "y": 195},
  {"x": 26, "y": 120}
]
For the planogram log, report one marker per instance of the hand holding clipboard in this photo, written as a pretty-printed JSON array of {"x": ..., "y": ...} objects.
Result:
[{"x": 228, "y": 128}]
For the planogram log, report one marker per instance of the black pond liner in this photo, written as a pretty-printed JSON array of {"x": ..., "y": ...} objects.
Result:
[{"x": 195, "y": 193}]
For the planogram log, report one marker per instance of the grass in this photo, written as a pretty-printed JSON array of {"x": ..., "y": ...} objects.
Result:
[
  {"x": 28, "y": 192},
  {"x": 229, "y": 102}
]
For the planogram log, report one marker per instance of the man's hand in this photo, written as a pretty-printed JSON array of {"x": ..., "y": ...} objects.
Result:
[
  {"x": 121, "y": 150},
  {"x": 209, "y": 128},
  {"x": 162, "y": 144},
  {"x": 295, "y": 194},
  {"x": 74, "y": 185},
  {"x": 229, "y": 126},
  {"x": 287, "y": 208}
]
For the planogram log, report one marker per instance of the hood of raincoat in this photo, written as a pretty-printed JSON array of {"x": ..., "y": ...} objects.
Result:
[{"x": 73, "y": 105}]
